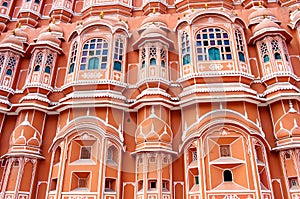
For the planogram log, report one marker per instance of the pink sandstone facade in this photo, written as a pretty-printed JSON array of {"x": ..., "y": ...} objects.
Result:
[{"x": 149, "y": 99}]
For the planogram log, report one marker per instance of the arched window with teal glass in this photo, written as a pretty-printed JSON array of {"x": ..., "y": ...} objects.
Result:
[
  {"x": 213, "y": 44},
  {"x": 241, "y": 57},
  {"x": 9, "y": 72},
  {"x": 47, "y": 70},
  {"x": 152, "y": 62},
  {"x": 5, "y": 4},
  {"x": 277, "y": 56},
  {"x": 214, "y": 54},
  {"x": 163, "y": 63},
  {"x": 186, "y": 59},
  {"x": 185, "y": 48},
  {"x": 94, "y": 54},
  {"x": 118, "y": 54},
  {"x": 93, "y": 63},
  {"x": 266, "y": 58},
  {"x": 71, "y": 70},
  {"x": 37, "y": 68},
  {"x": 240, "y": 45},
  {"x": 73, "y": 55}
]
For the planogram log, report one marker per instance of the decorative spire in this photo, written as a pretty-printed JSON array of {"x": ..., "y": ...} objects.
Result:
[
  {"x": 101, "y": 15},
  {"x": 259, "y": 4},
  {"x": 53, "y": 21},
  {"x": 291, "y": 110},
  {"x": 19, "y": 25},
  {"x": 49, "y": 29},
  {"x": 88, "y": 112},
  {"x": 154, "y": 10},
  {"x": 206, "y": 6},
  {"x": 152, "y": 115}
]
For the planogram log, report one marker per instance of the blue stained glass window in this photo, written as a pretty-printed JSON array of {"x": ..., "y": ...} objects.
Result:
[
  {"x": 5, "y": 4},
  {"x": 226, "y": 42},
  {"x": 103, "y": 66},
  {"x": 211, "y": 36},
  {"x": 82, "y": 66},
  {"x": 204, "y": 36}
]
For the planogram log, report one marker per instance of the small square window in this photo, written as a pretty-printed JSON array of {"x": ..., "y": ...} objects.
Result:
[
  {"x": 225, "y": 150},
  {"x": 196, "y": 180},
  {"x": 82, "y": 183},
  {"x": 152, "y": 184},
  {"x": 152, "y": 159},
  {"x": 85, "y": 152}
]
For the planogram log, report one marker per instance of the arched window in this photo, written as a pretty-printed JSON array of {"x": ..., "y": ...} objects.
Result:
[
  {"x": 277, "y": 56},
  {"x": 94, "y": 54},
  {"x": 163, "y": 57},
  {"x": 213, "y": 44},
  {"x": 49, "y": 60},
  {"x": 266, "y": 58},
  {"x": 214, "y": 53},
  {"x": 240, "y": 45},
  {"x": 185, "y": 48},
  {"x": 9, "y": 72},
  {"x": 143, "y": 64},
  {"x": 118, "y": 54},
  {"x": 117, "y": 66},
  {"x": 163, "y": 64},
  {"x": 5, "y": 4},
  {"x": 264, "y": 52},
  {"x": 11, "y": 62},
  {"x": 73, "y": 56},
  {"x": 241, "y": 56},
  {"x": 93, "y": 63},
  {"x": 227, "y": 176},
  {"x": 37, "y": 1},
  {"x": 37, "y": 68},
  {"x": 71, "y": 70},
  {"x": 152, "y": 62},
  {"x": 47, "y": 69}
]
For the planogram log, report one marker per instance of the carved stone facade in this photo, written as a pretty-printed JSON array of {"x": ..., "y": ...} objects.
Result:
[{"x": 149, "y": 99}]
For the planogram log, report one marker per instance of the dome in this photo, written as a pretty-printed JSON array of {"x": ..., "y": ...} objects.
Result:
[
  {"x": 153, "y": 19},
  {"x": 20, "y": 33},
  {"x": 266, "y": 24},
  {"x": 53, "y": 28},
  {"x": 288, "y": 126},
  {"x": 26, "y": 135},
  {"x": 260, "y": 12},
  {"x": 48, "y": 37},
  {"x": 12, "y": 40},
  {"x": 153, "y": 130},
  {"x": 153, "y": 30}
]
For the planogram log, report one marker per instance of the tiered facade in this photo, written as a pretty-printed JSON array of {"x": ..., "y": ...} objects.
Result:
[{"x": 149, "y": 99}]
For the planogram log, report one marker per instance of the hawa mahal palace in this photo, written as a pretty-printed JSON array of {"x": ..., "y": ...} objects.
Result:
[{"x": 149, "y": 99}]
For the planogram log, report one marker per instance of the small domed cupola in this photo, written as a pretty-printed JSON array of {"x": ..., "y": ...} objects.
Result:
[
  {"x": 153, "y": 134},
  {"x": 287, "y": 128},
  {"x": 153, "y": 45},
  {"x": 269, "y": 27},
  {"x": 26, "y": 139}
]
